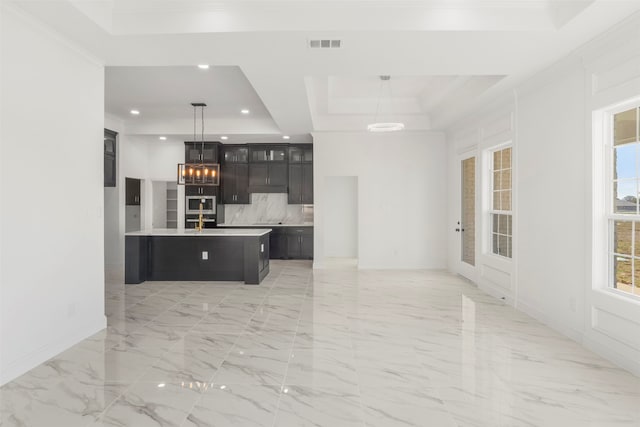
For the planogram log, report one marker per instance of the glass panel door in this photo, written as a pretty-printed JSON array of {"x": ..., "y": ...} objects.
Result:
[{"x": 468, "y": 211}]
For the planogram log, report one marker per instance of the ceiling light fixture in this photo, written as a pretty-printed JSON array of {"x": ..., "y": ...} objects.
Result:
[
  {"x": 286, "y": 137},
  {"x": 390, "y": 126},
  {"x": 245, "y": 111},
  {"x": 163, "y": 138},
  {"x": 135, "y": 112},
  {"x": 199, "y": 173},
  {"x": 203, "y": 66},
  {"x": 224, "y": 138}
]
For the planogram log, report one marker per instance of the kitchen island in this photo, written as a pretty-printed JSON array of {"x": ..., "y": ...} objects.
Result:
[{"x": 207, "y": 255}]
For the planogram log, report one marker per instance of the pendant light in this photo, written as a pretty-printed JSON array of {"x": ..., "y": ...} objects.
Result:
[
  {"x": 378, "y": 126},
  {"x": 199, "y": 173}
]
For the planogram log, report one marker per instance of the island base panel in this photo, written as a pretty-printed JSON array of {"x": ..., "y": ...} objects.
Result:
[{"x": 174, "y": 258}]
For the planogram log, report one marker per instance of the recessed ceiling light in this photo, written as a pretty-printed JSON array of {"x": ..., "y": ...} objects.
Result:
[
  {"x": 245, "y": 111},
  {"x": 163, "y": 138},
  {"x": 135, "y": 112},
  {"x": 286, "y": 137},
  {"x": 224, "y": 138},
  {"x": 203, "y": 66}
]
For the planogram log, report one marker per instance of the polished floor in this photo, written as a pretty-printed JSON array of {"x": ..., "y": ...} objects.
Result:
[{"x": 327, "y": 348}]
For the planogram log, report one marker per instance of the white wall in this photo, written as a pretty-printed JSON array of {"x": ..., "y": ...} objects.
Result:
[
  {"x": 341, "y": 217},
  {"x": 159, "y": 195},
  {"x": 401, "y": 195},
  {"x": 52, "y": 116},
  {"x": 557, "y": 221}
]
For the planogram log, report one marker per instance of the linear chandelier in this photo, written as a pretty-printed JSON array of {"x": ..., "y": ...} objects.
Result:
[{"x": 199, "y": 173}]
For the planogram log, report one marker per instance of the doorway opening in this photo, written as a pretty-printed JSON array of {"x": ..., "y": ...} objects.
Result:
[{"x": 341, "y": 221}]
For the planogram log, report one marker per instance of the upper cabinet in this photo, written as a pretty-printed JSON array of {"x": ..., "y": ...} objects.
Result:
[
  {"x": 268, "y": 169},
  {"x": 268, "y": 153},
  {"x": 301, "y": 153},
  {"x": 264, "y": 168},
  {"x": 201, "y": 152},
  {"x": 301, "y": 174},
  {"x": 132, "y": 192},
  {"x": 235, "y": 184},
  {"x": 235, "y": 154},
  {"x": 109, "y": 158},
  {"x": 235, "y": 175}
]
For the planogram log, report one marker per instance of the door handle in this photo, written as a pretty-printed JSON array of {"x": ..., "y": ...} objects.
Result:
[{"x": 457, "y": 230}]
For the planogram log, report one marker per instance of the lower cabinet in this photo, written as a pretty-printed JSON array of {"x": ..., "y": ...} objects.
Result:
[
  {"x": 278, "y": 243},
  {"x": 300, "y": 243},
  {"x": 290, "y": 242}
]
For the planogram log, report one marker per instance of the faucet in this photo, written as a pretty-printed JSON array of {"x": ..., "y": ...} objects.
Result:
[{"x": 200, "y": 219}]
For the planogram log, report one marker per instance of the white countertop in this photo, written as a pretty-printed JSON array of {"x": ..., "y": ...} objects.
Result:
[
  {"x": 207, "y": 232},
  {"x": 304, "y": 224}
]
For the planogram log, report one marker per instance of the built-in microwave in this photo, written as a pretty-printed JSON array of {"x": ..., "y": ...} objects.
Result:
[{"x": 208, "y": 205}]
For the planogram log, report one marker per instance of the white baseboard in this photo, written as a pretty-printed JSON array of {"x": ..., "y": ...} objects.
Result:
[
  {"x": 541, "y": 316},
  {"x": 498, "y": 292},
  {"x": 54, "y": 347},
  {"x": 604, "y": 349}
]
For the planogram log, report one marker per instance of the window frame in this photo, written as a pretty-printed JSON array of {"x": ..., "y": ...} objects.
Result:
[
  {"x": 611, "y": 217},
  {"x": 490, "y": 155}
]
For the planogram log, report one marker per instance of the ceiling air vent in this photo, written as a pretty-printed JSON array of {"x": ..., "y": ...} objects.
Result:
[{"x": 325, "y": 44}]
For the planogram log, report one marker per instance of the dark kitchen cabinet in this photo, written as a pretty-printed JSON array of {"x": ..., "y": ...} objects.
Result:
[
  {"x": 109, "y": 158},
  {"x": 268, "y": 153},
  {"x": 267, "y": 177},
  {"x": 278, "y": 242},
  {"x": 235, "y": 154},
  {"x": 200, "y": 190},
  {"x": 301, "y": 174},
  {"x": 235, "y": 184},
  {"x": 132, "y": 192},
  {"x": 300, "y": 243},
  {"x": 301, "y": 153},
  {"x": 301, "y": 183},
  {"x": 199, "y": 152}
]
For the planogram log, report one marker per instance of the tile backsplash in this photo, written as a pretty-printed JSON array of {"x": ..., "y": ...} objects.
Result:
[{"x": 268, "y": 208}]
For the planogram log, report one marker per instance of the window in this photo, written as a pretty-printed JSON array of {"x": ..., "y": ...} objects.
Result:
[
  {"x": 500, "y": 212},
  {"x": 624, "y": 216}
]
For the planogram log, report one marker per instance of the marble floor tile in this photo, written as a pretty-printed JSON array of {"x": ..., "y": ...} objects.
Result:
[
  {"x": 149, "y": 404},
  {"x": 334, "y": 370},
  {"x": 236, "y": 405},
  {"x": 320, "y": 336},
  {"x": 308, "y": 406},
  {"x": 262, "y": 367},
  {"x": 194, "y": 358},
  {"x": 404, "y": 407},
  {"x": 152, "y": 335},
  {"x": 324, "y": 348},
  {"x": 265, "y": 339},
  {"x": 67, "y": 401}
]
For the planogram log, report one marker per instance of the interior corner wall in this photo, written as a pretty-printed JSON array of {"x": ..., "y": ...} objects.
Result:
[
  {"x": 401, "y": 196},
  {"x": 113, "y": 262},
  {"x": 52, "y": 264}
]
